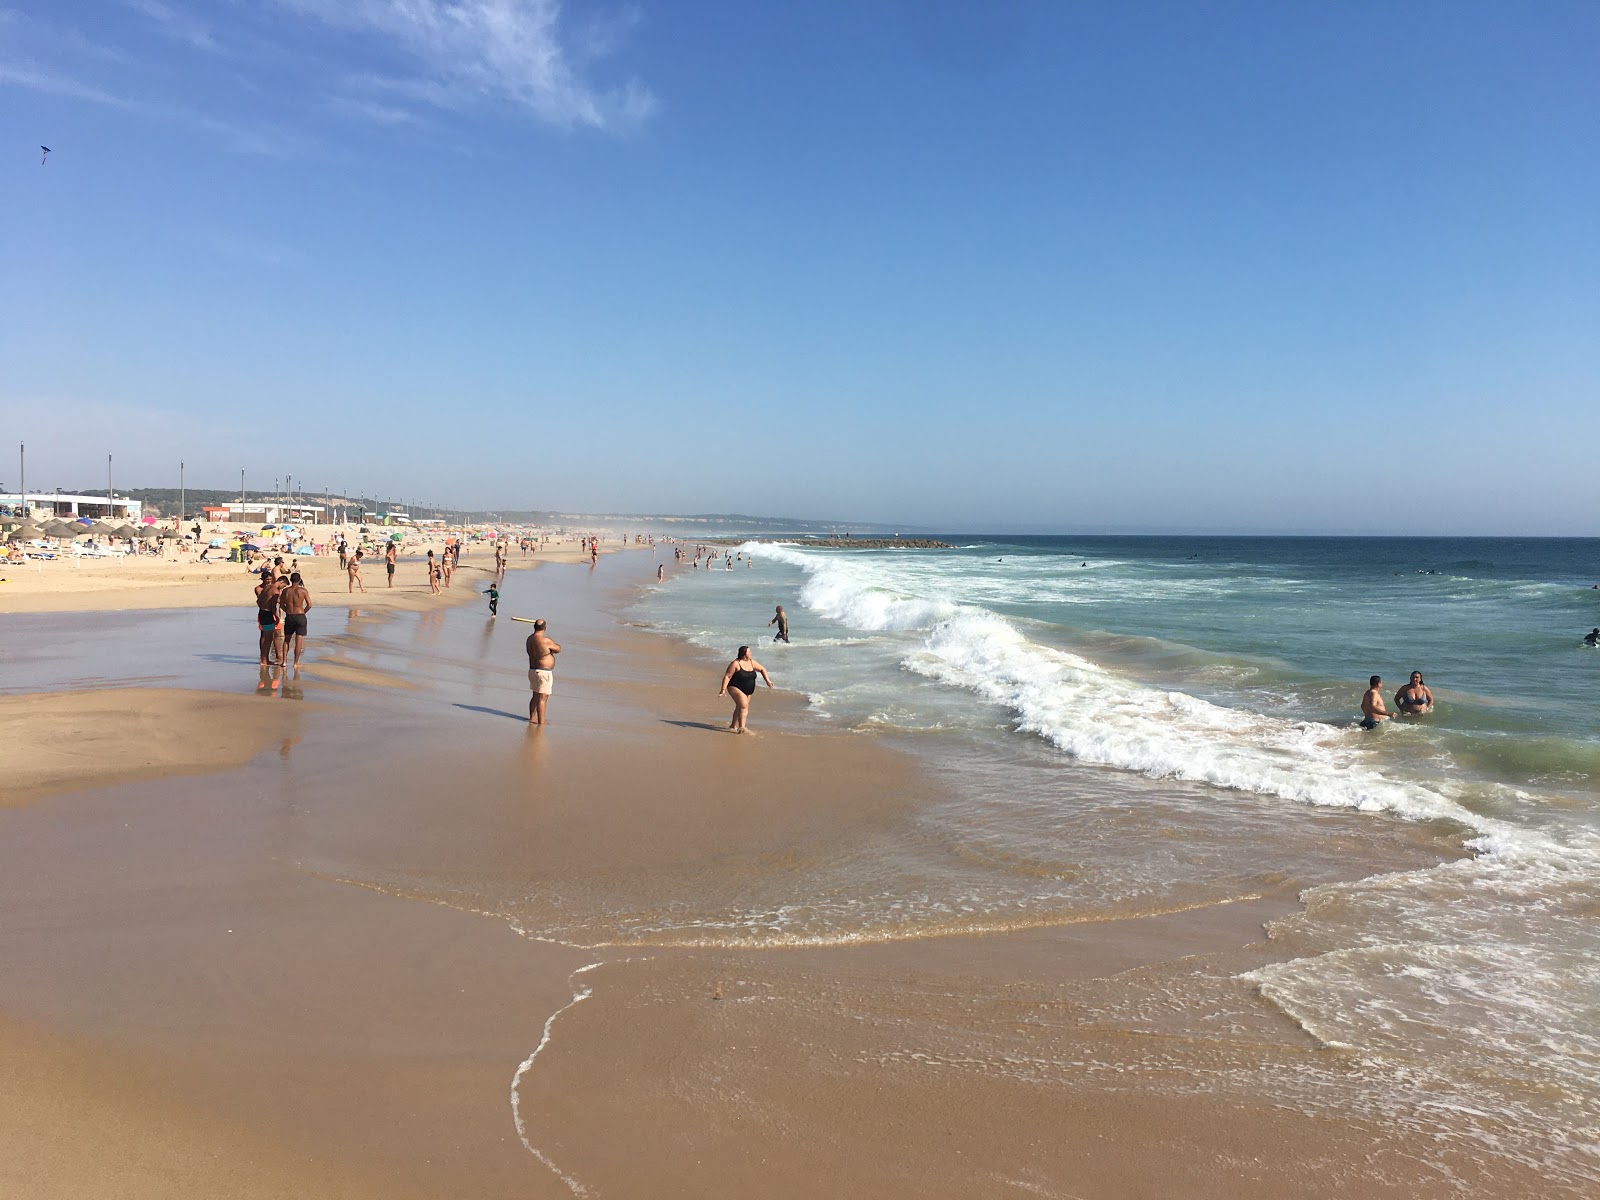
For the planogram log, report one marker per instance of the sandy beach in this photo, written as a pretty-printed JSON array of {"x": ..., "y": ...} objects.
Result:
[
  {"x": 177, "y": 579},
  {"x": 369, "y": 934}
]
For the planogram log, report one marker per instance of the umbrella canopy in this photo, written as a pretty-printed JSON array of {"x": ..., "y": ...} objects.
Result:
[
  {"x": 62, "y": 529},
  {"x": 26, "y": 532},
  {"x": 167, "y": 535},
  {"x": 249, "y": 546},
  {"x": 103, "y": 529},
  {"x": 124, "y": 531},
  {"x": 149, "y": 533}
]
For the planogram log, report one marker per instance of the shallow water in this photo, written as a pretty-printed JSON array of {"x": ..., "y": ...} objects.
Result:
[{"x": 1140, "y": 725}]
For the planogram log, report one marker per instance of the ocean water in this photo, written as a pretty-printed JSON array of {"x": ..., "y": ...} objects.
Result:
[{"x": 1143, "y": 725}]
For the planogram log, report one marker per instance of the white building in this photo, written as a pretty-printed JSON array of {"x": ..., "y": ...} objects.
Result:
[
  {"x": 47, "y": 506},
  {"x": 263, "y": 512}
]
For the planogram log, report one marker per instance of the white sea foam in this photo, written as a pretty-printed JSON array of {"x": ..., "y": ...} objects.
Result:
[
  {"x": 1098, "y": 716},
  {"x": 582, "y": 994}
]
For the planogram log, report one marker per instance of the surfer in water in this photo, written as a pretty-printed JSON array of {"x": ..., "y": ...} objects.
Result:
[
  {"x": 1592, "y": 638},
  {"x": 1414, "y": 698}
]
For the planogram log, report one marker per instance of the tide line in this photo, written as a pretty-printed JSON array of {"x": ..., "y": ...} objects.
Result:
[{"x": 582, "y": 994}]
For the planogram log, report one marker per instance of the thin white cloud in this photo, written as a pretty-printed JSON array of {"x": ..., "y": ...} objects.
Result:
[
  {"x": 176, "y": 23},
  {"x": 464, "y": 53},
  {"x": 262, "y": 140},
  {"x": 374, "y": 111}
]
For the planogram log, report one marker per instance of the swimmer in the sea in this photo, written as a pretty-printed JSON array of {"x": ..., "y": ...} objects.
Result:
[
  {"x": 1414, "y": 698},
  {"x": 1592, "y": 638},
  {"x": 1372, "y": 709}
]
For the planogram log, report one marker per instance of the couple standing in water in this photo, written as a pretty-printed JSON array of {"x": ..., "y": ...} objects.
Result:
[{"x": 1412, "y": 700}]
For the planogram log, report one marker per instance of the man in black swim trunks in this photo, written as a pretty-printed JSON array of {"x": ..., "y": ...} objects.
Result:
[
  {"x": 296, "y": 602},
  {"x": 1372, "y": 709},
  {"x": 1592, "y": 638},
  {"x": 267, "y": 615}
]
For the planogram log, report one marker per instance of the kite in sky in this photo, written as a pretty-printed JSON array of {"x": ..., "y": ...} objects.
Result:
[{"x": 45, "y": 155}]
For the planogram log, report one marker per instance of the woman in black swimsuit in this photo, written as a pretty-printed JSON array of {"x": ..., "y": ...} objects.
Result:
[
  {"x": 739, "y": 680},
  {"x": 1415, "y": 698}
]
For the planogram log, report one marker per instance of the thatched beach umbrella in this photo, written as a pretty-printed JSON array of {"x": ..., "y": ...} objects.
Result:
[
  {"x": 61, "y": 529},
  {"x": 149, "y": 533},
  {"x": 26, "y": 532},
  {"x": 124, "y": 531}
]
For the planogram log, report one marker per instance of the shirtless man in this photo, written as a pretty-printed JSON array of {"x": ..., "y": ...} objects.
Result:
[
  {"x": 355, "y": 573},
  {"x": 296, "y": 601},
  {"x": 267, "y": 616},
  {"x": 388, "y": 562},
  {"x": 782, "y": 622},
  {"x": 542, "y": 653},
  {"x": 1372, "y": 709}
]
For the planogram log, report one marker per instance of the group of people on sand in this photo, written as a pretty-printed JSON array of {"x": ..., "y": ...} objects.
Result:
[
  {"x": 282, "y": 602},
  {"x": 1412, "y": 700},
  {"x": 738, "y": 680}
]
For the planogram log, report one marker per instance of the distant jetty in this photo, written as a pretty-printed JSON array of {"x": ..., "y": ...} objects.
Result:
[{"x": 844, "y": 543}]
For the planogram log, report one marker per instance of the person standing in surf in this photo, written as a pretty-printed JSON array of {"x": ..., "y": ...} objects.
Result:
[
  {"x": 1372, "y": 709},
  {"x": 1414, "y": 698},
  {"x": 739, "y": 681},
  {"x": 781, "y": 620}
]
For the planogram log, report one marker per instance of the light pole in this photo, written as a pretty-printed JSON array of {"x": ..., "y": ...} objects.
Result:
[
  {"x": 111, "y": 496},
  {"x": 22, "y": 468},
  {"x": 182, "y": 507},
  {"x": 241, "y": 487}
]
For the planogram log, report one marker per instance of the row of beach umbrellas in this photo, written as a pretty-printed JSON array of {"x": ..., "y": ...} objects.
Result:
[{"x": 26, "y": 531}]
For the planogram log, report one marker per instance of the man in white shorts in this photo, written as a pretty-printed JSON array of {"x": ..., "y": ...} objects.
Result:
[{"x": 542, "y": 653}]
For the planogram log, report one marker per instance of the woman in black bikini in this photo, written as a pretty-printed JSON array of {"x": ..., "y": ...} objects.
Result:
[
  {"x": 740, "y": 681},
  {"x": 1415, "y": 698}
]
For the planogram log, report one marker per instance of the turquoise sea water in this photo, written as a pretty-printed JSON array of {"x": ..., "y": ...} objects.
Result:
[{"x": 1142, "y": 724}]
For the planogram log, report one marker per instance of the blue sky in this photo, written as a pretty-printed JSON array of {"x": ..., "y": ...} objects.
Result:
[{"x": 1163, "y": 265}]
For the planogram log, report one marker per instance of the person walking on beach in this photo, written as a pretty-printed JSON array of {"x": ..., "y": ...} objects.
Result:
[
  {"x": 296, "y": 601},
  {"x": 494, "y": 597},
  {"x": 448, "y": 560},
  {"x": 1372, "y": 709},
  {"x": 433, "y": 574},
  {"x": 542, "y": 651},
  {"x": 355, "y": 574},
  {"x": 267, "y": 617},
  {"x": 739, "y": 681},
  {"x": 389, "y": 556},
  {"x": 782, "y": 622}
]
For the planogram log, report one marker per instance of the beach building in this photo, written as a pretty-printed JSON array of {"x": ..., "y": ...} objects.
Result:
[
  {"x": 262, "y": 512},
  {"x": 47, "y": 506}
]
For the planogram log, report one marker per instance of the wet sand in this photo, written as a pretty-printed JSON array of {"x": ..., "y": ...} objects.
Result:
[{"x": 303, "y": 975}]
